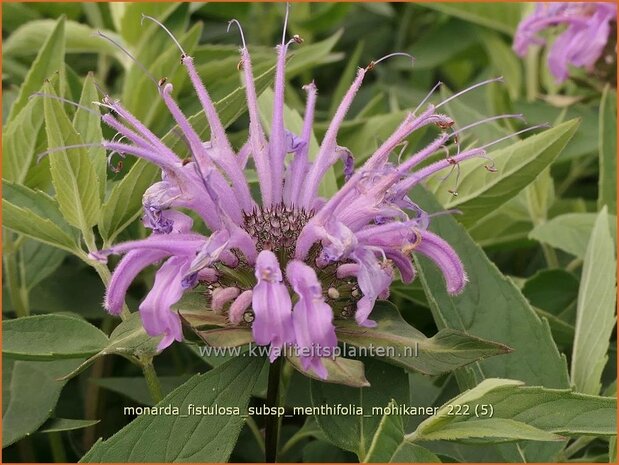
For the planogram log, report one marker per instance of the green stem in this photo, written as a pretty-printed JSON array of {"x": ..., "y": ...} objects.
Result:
[
  {"x": 551, "y": 256},
  {"x": 92, "y": 397},
  {"x": 154, "y": 387},
  {"x": 58, "y": 452},
  {"x": 532, "y": 73},
  {"x": 272, "y": 421},
  {"x": 574, "y": 265},
  {"x": 575, "y": 447}
]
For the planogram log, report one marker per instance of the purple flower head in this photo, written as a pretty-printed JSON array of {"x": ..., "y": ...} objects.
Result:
[
  {"x": 340, "y": 254},
  {"x": 586, "y": 30}
]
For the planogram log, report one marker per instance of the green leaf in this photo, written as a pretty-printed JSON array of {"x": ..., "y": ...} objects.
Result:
[
  {"x": 88, "y": 126},
  {"x": 553, "y": 294},
  {"x": 39, "y": 260},
  {"x": 505, "y": 62},
  {"x": 493, "y": 429},
  {"x": 161, "y": 58},
  {"x": 407, "y": 347},
  {"x": 442, "y": 43},
  {"x": 30, "y": 391},
  {"x": 595, "y": 315},
  {"x": 569, "y": 232},
  {"x": 73, "y": 173},
  {"x": 503, "y": 17},
  {"x": 346, "y": 77},
  {"x": 129, "y": 19},
  {"x": 36, "y": 215},
  {"x": 607, "y": 191},
  {"x": 205, "y": 438},
  {"x": 19, "y": 141},
  {"x": 340, "y": 370},
  {"x": 57, "y": 425},
  {"x": 388, "y": 444},
  {"x": 557, "y": 411},
  {"x": 80, "y": 38},
  {"x": 481, "y": 192},
  {"x": 124, "y": 204},
  {"x": 490, "y": 306},
  {"x": 49, "y": 60},
  {"x": 129, "y": 339},
  {"x": 354, "y": 432},
  {"x": 49, "y": 337},
  {"x": 136, "y": 389}
]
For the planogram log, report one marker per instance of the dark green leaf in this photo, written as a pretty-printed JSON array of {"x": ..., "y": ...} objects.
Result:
[
  {"x": 205, "y": 438},
  {"x": 30, "y": 392},
  {"x": 355, "y": 432},
  {"x": 407, "y": 347},
  {"x": 49, "y": 337},
  {"x": 56, "y": 425},
  {"x": 490, "y": 306},
  {"x": 135, "y": 388}
]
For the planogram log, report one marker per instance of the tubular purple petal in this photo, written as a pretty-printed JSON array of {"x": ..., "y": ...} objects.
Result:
[
  {"x": 272, "y": 306},
  {"x": 125, "y": 272},
  {"x": 156, "y": 309},
  {"x": 325, "y": 157},
  {"x": 444, "y": 256},
  {"x": 223, "y": 295},
  {"x": 312, "y": 318},
  {"x": 240, "y": 305}
]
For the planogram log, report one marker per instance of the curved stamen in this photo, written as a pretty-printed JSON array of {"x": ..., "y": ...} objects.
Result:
[
  {"x": 519, "y": 116},
  {"x": 165, "y": 29},
  {"x": 373, "y": 63},
  {"x": 126, "y": 52},
  {"x": 285, "y": 23},
  {"x": 532, "y": 128},
  {"x": 41, "y": 155},
  {"x": 234, "y": 21},
  {"x": 473, "y": 87},
  {"x": 64, "y": 100},
  {"x": 104, "y": 105},
  {"x": 425, "y": 99}
]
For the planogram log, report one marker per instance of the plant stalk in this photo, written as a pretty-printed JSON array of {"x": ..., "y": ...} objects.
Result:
[
  {"x": 154, "y": 387},
  {"x": 272, "y": 421}
]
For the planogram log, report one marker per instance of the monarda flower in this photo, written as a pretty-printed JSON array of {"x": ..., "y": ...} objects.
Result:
[
  {"x": 580, "y": 44},
  {"x": 289, "y": 263}
]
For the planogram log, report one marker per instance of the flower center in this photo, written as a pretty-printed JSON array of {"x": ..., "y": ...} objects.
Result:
[{"x": 276, "y": 228}]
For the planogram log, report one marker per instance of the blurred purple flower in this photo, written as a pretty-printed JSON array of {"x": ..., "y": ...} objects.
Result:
[
  {"x": 339, "y": 254},
  {"x": 587, "y": 30}
]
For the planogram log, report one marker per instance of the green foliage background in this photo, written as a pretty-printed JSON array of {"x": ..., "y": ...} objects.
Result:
[{"x": 537, "y": 238}]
